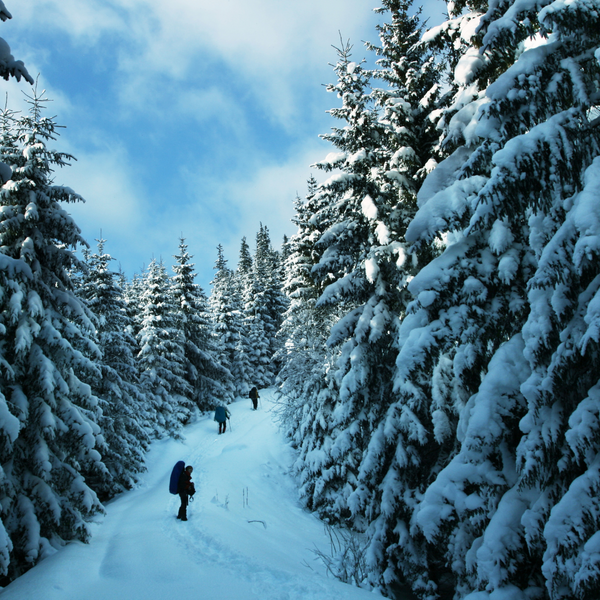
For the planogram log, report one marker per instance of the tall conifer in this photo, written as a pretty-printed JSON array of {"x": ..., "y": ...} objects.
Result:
[
  {"x": 161, "y": 356},
  {"x": 499, "y": 322},
  {"x": 227, "y": 317},
  {"x": 206, "y": 377},
  {"x": 50, "y": 417},
  {"x": 123, "y": 422}
]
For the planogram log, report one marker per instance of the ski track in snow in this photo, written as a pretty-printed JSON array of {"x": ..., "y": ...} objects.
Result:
[{"x": 247, "y": 536}]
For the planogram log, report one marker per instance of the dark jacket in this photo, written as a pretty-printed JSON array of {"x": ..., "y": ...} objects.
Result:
[{"x": 185, "y": 483}]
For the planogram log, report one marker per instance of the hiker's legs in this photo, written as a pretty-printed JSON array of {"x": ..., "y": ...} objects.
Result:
[
  {"x": 183, "y": 508},
  {"x": 224, "y": 426},
  {"x": 221, "y": 427}
]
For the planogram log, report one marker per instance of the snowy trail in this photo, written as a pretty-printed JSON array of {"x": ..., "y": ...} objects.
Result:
[{"x": 247, "y": 536}]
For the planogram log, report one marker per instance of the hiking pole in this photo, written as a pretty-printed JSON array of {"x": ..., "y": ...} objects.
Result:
[{"x": 230, "y": 430}]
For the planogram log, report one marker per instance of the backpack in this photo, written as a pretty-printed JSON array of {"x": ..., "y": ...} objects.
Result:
[
  {"x": 253, "y": 393},
  {"x": 175, "y": 475},
  {"x": 220, "y": 414}
]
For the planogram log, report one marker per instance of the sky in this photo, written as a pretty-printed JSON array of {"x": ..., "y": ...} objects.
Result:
[
  {"x": 191, "y": 118},
  {"x": 247, "y": 535}
]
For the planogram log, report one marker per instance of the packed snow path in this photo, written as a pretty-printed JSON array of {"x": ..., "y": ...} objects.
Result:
[{"x": 247, "y": 536}]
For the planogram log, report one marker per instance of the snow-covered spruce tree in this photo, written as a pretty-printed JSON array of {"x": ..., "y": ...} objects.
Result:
[
  {"x": 263, "y": 309},
  {"x": 364, "y": 212},
  {"x": 275, "y": 298},
  {"x": 123, "y": 421},
  {"x": 227, "y": 317},
  {"x": 283, "y": 256},
  {"x": 554, "y": 505},
  {"x": 9, "y": 67},
  {"x": 241, "y": 281},
  {"x": 161, "y": 357},
  {"x": 49, "y": 416},
  {"x": 407, "y": 139},
  {"x": 503, "y": 315},
  {"x": 258, "y": 323},
  {"x": 9, "y": 147},
  {"x": 305, "y": 399},
  {"x": 10, "y": 269},
  {"x": 410, "y": 106},
  {"x": 244, "y": 267},
  {"x": 132, "y": 295},
  {"x": 559, "y": 479},
  {"x": 401, "y": 457},
  {"x": 206, "y": 377},
  {"x": 338, "y": 257},
  {"x": 305, "y": 328}
]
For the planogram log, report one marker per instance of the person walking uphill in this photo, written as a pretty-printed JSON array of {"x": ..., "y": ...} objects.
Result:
[
  {"x": 221, "y": 416},
  {"x": 254, "y": 397},
  {"x": 185, "y": 489}
]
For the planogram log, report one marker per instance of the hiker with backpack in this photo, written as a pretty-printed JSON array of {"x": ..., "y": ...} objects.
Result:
[
  {"x": 254, "y": 397},
  {"x": 185, "y": 489},
  {"x": 221, "y": 416}
]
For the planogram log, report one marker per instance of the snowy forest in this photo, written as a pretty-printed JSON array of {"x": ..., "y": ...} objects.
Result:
[{"x": 432, "y": 327}]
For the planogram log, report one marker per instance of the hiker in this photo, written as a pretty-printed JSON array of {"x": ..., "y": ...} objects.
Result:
[
  {"x": 254, "y": 397},
  {"x": 221, "y": 416},
  {"x": 185, "y": 489}
]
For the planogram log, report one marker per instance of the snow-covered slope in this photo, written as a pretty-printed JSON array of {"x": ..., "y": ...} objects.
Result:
[{"x": 247, "y": 536}]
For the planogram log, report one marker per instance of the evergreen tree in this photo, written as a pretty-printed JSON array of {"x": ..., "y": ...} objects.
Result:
[
  {"x": 263, "y": 310},
  {"x": 49, "y": 431},
  {"x": 227, "y": 318},
  {"x": 494, "y": 441},
  {"x": 206, "y": 377},
  {"x": 245, "y": 261},
  {"x": 9, "y": 67},
  {"x": 11, "y": 153},
  {"x": 161, "y": 357},
  {"x": 305, "y": 405},
  {"x": 275, "y": 298},
  {"x": 123, "y": 420},
  {"x": 362, "y": 214},
  {"x": 283, "y": 257},
  {"x": 396, "y": 163},
  {"x": 338, "y": 270},
  {"x": 305, "y": 327},
  {"x": 132, "y": 295},
  {"x": 242, "y": 285}
]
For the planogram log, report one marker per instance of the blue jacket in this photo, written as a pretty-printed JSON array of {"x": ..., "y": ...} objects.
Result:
[{"x": 221, "y": 414}]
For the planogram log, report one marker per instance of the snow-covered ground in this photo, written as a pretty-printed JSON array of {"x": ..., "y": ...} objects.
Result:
[{"x": 247, "y": 535}]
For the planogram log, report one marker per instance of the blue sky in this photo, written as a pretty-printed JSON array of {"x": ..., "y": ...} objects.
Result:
[{"x": 189, "y": 117}]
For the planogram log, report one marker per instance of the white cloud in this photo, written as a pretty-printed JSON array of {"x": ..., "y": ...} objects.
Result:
[
  {"x": 85, "y": 22},
  {"x": 138, "y": 226},
  {"x": 113, "y": 202},
  {"x": 225, "y": 209},
  {"x": 274, "y": 47},
  {"x": 208, "y": 104}
]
